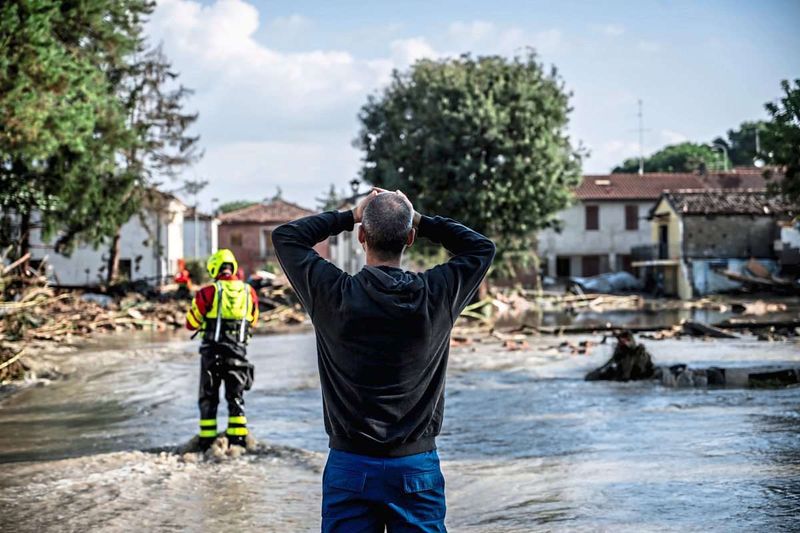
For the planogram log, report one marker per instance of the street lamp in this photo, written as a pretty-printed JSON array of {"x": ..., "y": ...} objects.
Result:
[
  {"x": 354, "y": 185},
  {"x": 757, "y": 161}
]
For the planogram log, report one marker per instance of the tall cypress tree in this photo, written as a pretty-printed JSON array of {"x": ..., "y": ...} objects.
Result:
[
  {"x": 89, "y": 118},
  {"x": 62, "y": 123}
]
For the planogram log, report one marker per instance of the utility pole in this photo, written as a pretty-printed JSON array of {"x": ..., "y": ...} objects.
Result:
[{"x": 641, "y": 139}]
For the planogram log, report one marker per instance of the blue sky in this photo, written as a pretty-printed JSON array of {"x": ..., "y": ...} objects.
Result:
[{"x": 278, "y": 84}]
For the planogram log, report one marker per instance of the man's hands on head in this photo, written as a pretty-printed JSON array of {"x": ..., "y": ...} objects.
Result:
[{"x": 358, "y": 211}]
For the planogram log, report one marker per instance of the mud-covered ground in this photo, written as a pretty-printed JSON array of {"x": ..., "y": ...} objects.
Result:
[{"x": 527, "y": 444}]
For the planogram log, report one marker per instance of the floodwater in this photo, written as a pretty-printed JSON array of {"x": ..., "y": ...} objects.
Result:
[
  {"x": 649, "y": 318},
  {"x": 527, "y": 445}
]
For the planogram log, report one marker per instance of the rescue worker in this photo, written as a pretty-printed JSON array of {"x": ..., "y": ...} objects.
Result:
[
  {"x": 223, "y": 313},
  {"x": 631, "y": 361}
]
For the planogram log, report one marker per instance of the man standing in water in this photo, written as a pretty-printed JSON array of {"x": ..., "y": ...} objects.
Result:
[
  {"x": 382, "y": 344},
  {"x": 224, "y": 313}
]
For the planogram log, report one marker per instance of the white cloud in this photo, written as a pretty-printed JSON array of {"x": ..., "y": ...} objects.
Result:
[
  {"x": 254, "y": 170},
  {"x": 487, "y": 37},
  {"x": 292, "y": 23},
  {"x": 673, "y": 137},
  {"x": 648, "y": 46},
  {"x": 270, "y": 117},
  {"x": 405, "y": 52},
  {"x": 611, "y": 153},
  {"x": 611, "y": 30}
]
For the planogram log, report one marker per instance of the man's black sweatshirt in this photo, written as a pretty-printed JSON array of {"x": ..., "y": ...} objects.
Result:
[{"x": 383, "y": 334}]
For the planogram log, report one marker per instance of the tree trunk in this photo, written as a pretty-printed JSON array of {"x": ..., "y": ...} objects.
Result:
[
  {"x": 113, "y": 260},
  {"x": 24, "y": 237}
]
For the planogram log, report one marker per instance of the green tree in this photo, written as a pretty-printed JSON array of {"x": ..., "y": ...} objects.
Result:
[
  {"x": 782, "y": 141},
  {"x": 742, "y": 144},
  {"x": 482, "y": 140},
  {"x": 234, "y": 205},
  {"x": 683, "y": 157},
  {"x": 89, "y": 118},
  {"x": 163, "y": 144},
  {"x": 61, "y": 123}
]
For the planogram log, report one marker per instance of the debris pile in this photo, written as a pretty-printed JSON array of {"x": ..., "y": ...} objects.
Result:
[
  {"x": 278, "y": 304},
  {"x": 758, "y": 278},
  {"x": 32, "y": 312}
]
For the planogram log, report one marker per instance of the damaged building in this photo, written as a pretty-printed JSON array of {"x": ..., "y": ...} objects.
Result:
[{"x": 706, "y": 241}]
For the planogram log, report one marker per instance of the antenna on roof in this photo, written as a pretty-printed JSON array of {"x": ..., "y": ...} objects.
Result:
[{"x": 641, "y": 138}]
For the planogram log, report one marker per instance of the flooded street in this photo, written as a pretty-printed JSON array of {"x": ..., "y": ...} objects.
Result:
[{"x": 527, "y": 444}]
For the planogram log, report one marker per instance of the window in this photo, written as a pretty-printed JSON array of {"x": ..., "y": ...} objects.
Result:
[
  {"x": 632, "y": 217},
  {"x": 267, "y": 251},
  {"x": 236, "y": 239},
  {"x": 592, "y": 217}
]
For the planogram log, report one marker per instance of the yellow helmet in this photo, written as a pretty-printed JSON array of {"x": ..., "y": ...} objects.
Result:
[{"x": 218, "y": 259}]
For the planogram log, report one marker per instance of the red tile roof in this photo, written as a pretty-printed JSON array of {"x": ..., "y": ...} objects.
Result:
[
  {"x": 275, "y": 212},
  {"x": 650, "y": 185}
]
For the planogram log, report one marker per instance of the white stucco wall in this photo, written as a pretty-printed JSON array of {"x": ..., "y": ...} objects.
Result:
[
  {"x": 610, "y": 240},
  {"x": 139, "y": 238},
  {"x": 790, "y": 236},
  {"x": 208, "y": 233},
  {"x": 346, "y": 252}
]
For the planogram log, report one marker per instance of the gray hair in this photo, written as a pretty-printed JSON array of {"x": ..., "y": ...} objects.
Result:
[{"x": 387, "y": 219}]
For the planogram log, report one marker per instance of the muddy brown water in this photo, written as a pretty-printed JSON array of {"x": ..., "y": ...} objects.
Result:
[{"x": 527, "y": 445}]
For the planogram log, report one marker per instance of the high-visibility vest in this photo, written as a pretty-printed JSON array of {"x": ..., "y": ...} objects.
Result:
[{"x": 231, "y": 312}]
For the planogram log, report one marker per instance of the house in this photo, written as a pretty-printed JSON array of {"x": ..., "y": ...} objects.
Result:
[
  {"x": 150, "y": 245},
  {"x": 609, "y": 218},
  {"x": 248, "y": 232},
  {"x": 345, "y": 250},
  {"x": 699, "y": 233},
  {"x": 200, "y": 234}
]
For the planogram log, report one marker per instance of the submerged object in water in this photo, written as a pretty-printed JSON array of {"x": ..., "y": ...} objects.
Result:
[{"x": 754, "y": 377}]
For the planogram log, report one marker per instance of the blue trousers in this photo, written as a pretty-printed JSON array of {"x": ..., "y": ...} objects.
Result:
[{"x": 362, "y": 493}]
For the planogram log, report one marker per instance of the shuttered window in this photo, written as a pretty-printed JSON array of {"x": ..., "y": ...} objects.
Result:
[
  {"x": 592, "y": 217},
  {"x": 632, "y": 217}
]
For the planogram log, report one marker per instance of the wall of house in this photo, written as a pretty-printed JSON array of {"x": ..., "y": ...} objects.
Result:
[
  {"x": 610, "y": 241},
  {"x": 251, "y": 243},
  {"x": 729, "y": 236},
  {"x": 173, "y": 239},
  {"x": 244, "y": 241},
  {"x": 346, "y": 252},
  {"x": 664, "y": 214},
  {"x": 207, "y": 244},
  {"x": 152, "y": 242}
]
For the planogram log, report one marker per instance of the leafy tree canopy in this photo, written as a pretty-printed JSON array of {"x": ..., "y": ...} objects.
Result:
[
  {"x": 781, "y": 142},
  {"x": 482, "y": 140},
  {"x": 61, "y": 122},
  {"x": 683, "y": 157},
  {"x": 742, "y": 143}
]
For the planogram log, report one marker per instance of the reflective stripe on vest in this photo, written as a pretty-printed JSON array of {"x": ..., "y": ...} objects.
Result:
[
  {"x": 244, "y": 318},
  {"x": 218, "y": 299}
]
